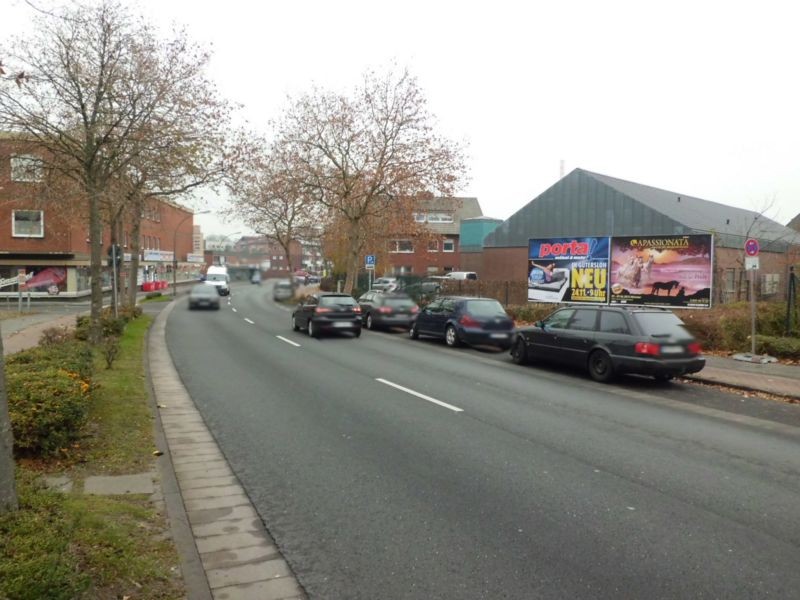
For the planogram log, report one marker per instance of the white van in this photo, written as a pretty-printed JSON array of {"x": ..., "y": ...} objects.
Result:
[
  {"x": 218, "y": 277},
  {"x": 472, "y": 275}
]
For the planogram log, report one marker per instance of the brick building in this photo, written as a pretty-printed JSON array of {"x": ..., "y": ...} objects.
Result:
[
  {"x": 584, "y": 204},
  {"x": 442, "y": 252},
  {"x": 48, "y": 241}
]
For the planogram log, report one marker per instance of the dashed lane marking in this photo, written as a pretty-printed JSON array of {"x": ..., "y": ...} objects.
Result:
[{"x": 418, "y": 395}]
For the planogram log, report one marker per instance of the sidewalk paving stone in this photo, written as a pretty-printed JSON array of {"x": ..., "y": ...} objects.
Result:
[
  {"x": 108, "y": 485},
  {"x": 212, "y": 515},
  {"x": 249, "y": 573},
  {"x": 228, "y": 526},
  {"x": 283, "y": 588},
  {"x": 231, "y": 541},
  {"x": 221, "y": 559},
  {"x": 223, "y": 502}
]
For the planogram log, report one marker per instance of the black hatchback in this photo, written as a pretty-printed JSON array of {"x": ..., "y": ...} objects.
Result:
[
  {"x": 460, "y": 320},
  {"x": 608, "y": 340},
  {"x": 387, "y": 309},
  {"x": 327, "y": 312}
]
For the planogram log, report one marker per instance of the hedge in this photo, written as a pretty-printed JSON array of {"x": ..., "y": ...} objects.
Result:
[{"x": 47, "y": 406}]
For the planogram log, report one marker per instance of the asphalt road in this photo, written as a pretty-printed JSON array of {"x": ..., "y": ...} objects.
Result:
[{"x": 521, "y": 482}]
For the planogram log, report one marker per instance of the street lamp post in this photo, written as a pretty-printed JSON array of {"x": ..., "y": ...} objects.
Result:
[{"x": 175, "y": 250}]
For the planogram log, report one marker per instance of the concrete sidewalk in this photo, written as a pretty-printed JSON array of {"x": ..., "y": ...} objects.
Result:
[{"x": 227, "y": 554}]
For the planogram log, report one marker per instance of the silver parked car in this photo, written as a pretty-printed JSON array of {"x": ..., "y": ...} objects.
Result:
[{"x": 203, "y": 296}]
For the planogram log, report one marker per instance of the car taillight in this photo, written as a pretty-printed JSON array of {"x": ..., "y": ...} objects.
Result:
[
  {"x": 356, "y": 309},
  {"x": 322, "y": 309},
  {"x": 414, "y": 309},
  {"x": 384, "y": 309},
  {"x": 694, "y": 348},
  {"x": 648, "y": 348},
  {"x": 468, "y": 321}
]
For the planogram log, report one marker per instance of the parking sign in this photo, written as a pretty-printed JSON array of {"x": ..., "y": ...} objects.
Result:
[{"x": 369, "y": 262}]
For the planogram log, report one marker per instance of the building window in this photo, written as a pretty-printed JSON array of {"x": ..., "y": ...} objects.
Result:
[
  {"x": 440, "y": 218},
  {"x": 449, "y": 245},
  {"x": 401, "y": 246},
  {"x": 433, "y": 245},
  {"x": 28, "y": 223},
  {"x": 419, "y": 217},
  {"x": 26, "y": 168}
]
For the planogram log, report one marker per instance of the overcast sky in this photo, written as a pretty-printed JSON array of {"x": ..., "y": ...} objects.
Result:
[{"x": 700, "y": 98}]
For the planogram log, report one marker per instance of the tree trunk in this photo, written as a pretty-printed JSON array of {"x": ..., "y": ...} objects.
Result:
[
  {"x": 352, "y": 259},
  {"x": 95, "y": 265},
  {"x": 8, "y": 487},
  {"x": 133, "y": 274}
]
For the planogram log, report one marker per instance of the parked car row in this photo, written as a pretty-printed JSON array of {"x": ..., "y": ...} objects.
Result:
[{"x": 605, "y": 340}]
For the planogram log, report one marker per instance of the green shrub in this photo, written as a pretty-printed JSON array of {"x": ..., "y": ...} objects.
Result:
[
  {"x": 780, "y": 347},
  {"x": 73, "y": 355},
  {"x": 110, "y": 326},
  {"x": 56, "y": 335},
  {"x": 47, "y": 409},
  {"x": 530, "y": 313}
]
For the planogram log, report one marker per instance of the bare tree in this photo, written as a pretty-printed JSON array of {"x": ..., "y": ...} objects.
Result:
[
  {"x": 97, "y": 90},
  {"x": 366, "y": 157},
  {"x": 267, "y": 196}
]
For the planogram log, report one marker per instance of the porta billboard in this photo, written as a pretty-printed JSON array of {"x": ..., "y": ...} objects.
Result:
[
  {"x": 568, "y": 270},
  {"x": 672, "y": 271}
]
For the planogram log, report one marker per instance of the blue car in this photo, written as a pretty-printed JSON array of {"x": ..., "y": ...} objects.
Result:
[{"x": 461, "y": 320}]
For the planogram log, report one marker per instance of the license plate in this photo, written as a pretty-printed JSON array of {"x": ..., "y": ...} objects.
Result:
[
  {"x": 671, "y": 349},
  {"x": 341, "y": 324},
  {"x": 498, "y": 336}
]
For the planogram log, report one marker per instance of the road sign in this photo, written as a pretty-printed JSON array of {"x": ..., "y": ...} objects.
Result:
[
  {"x": 751, "y": 247},
  {"x": 751, "y": 263},
  {"x": 369, "y": 262}
]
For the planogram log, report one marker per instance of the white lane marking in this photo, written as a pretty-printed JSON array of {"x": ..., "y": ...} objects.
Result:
[
  {"x": 251, "y": 322},
  {"x": 418, "y": 395},
  {"x": 234, "y": 310},
  {"x": 283, "y": 339}
]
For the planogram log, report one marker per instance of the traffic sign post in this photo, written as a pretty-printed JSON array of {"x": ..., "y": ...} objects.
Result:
[
  {"x": 751, "y": 249},
  {"x": 369, "y": 265}
]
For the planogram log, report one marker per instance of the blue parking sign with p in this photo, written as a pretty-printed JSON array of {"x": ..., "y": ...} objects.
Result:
[{"x": 369, "y": 261}]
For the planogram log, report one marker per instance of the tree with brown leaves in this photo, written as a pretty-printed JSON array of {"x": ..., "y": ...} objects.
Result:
[
  {"x": 366, "y": 157},
  {"x": 99, "y": 91}
]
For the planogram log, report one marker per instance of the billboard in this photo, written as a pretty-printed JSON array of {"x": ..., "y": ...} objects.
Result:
[
  {"x": 661, "y": 270},
  {"x": 568, "y": 270}
]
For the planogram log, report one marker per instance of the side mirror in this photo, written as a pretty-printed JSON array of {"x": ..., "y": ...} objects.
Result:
[{"x": 539, "y": 324}]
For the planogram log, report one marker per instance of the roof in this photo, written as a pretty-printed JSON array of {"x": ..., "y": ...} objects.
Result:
[
  {"x": 590, "y": 204},
  {"x": 701, "y": 215},
  {"x": 794, "y": 223}
]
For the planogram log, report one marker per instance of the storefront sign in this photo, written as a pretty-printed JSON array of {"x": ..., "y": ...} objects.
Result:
[
  {"x": 158, "y": 255},
  {"x": 662, "y": 270},
  {"x": 568, "y": 270},
  {"x": 195, "y": 258}
]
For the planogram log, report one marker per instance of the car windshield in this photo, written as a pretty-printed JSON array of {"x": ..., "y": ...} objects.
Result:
[
  {"x": 217, "y": 277},
  {"x": 661, "y": 324},
  {"x": 336, "y": 301},
  {"x": 485, "y": 308}
]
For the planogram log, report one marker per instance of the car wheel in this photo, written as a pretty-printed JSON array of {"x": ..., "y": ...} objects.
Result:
[
  {"x": 370, "y": 324},
  {"x": 295, "y": 326},
  {"x": 413, "y": 333},
  {"x": 313, "y": 330},
  {"x": 600, "y": 367},
  {"x": 519, "y": 353},
  {"x": 451, "y": 337}
]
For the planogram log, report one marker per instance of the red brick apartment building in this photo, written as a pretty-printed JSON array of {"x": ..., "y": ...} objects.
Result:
[
  {"x": 441, "y": 254},
  {"x": 47, "y": 241}
]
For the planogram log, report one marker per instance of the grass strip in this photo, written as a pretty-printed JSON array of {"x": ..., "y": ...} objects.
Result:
[{"x": 74, "y": 546}]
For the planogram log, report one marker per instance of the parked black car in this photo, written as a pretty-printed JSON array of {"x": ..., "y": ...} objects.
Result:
[
  {"x": 457, "y": 319},
  {"x": 387, "y": 309},
  {"x": 327, "y": 312},
  {"x": 608, "y": 340}
]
